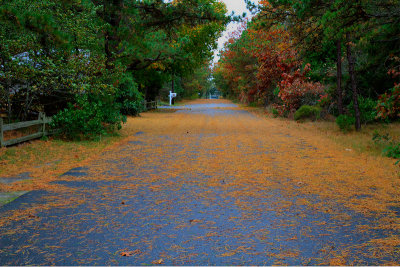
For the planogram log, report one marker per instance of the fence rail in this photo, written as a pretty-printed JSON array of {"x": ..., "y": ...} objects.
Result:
[
  {"x": 150, "y": 105},
  {"x": 41, "y": 121}
]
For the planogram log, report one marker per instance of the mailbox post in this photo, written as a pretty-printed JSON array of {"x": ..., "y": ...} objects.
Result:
[{"x": 171, "y": 96}]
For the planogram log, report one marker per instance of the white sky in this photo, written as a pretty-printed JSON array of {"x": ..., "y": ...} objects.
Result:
[{"x": 239, "y": 7}]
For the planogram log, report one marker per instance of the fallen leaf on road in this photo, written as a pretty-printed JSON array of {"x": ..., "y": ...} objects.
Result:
[
  {"x": 137, "y": 251},
  {"x": 160, "y": 261},
  {"x": 228, "y": 254},
  {"x": 126, "y": 253}
]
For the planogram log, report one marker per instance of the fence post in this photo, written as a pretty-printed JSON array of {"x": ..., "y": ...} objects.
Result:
[
  {"x": 1, "y": 133},
  {"x": 42, "y": 117}
]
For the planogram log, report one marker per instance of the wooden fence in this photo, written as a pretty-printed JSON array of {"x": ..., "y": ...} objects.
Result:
[
  {"x": 41, "y": 121},
  {"x": 150, "y": 105}
]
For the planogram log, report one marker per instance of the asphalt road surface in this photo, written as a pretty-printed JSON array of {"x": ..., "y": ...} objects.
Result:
[{"x": 206, "y": 184}]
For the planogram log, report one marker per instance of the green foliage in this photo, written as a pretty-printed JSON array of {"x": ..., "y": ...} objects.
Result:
[
  {"x": 52, "y": 50},
  {"x": 193, "y": 97},
  {"x": 275, "y": 112},
  {"x": 392, "y": 148},
  {"x": 128, "y": 96},
  {"x": 307, "y": 112},
  {"x": 367, "y": 108},
  {"x": 90, "y": 117},
  {"x": 379, "y": 138},
  {"x": 198, "y": 83},
  {"x": 345, "y": 122},
  {"x": 276, "y": 91},
  {"x": 393, "y": 151}
]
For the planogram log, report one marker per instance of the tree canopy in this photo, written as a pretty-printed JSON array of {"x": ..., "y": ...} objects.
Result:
[
  {"x": 53, "y": 52},
  {"x": 293, "y": 52}
]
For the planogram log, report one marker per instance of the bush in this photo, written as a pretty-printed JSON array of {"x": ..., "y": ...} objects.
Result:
[
  {"x": 307, "y": 112},
  {"x": 310, "y": 99},
  {"x": 388, "y": 107},
  {"x": 380, "y": 138},
  {"x": 393, "y": 151},
  {"x": 194, "y": 96},
  {"x": 275, "y": 112},
  {"x": 392, "y": 148},
  {"x": 295, "y": 90},
  {"x": 345, "y": 122},
  {"x": 367, "y": 109},
  {"x": 91, "y": 116},
  {"x": 129, "y": 97}
]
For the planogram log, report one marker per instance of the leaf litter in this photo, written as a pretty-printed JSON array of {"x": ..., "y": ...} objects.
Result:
[{"x": 239, "y": 189}]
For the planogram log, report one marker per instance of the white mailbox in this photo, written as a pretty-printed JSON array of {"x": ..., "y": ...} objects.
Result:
[{"x": 171, "y": 95}]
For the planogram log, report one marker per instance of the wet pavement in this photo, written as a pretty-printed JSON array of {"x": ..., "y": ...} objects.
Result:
[{"x": 185, "y": 198}]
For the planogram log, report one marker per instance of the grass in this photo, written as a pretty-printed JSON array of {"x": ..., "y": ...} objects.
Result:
[
  {"x": 9, "y": 197},
  {"x": 163, "y": 103},
  {"x": 163, "y": 110},
  {"x": 360, "y": 142},
  {"x": 51, "y": 157}
]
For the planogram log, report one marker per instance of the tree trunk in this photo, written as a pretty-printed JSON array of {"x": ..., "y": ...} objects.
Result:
[
  {"x": 8, "y": 92},
  {"x": 351, "y": 61},
  {"x": 26, "y": 106},
  {"x": 112, "y": 15},
  {"x": 339, "y": 91},
  {"x": 108, "y": 52}
]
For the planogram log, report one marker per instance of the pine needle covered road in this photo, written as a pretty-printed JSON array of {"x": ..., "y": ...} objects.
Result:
[{"x": 211, "y": 184}]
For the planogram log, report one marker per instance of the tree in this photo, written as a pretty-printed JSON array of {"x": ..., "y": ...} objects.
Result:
[
  {"x": 318, "y": 28},
  {"x": 56, "y": 52},
  {"x": 262, "y": 66}
]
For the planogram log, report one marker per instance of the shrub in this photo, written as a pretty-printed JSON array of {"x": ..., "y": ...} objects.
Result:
[
  {"x": 367, "y": 109},
  {"x": 194, "y": 96},
  {"x": 380, "y": 138},
  {"x": 307, "y": 112},
  {"x": 129, "y": 97},
  {"x": 311, "y": 99},
  {"x": 91, "y": 116},
  {"x": 345, "y": 122},
  {"x": 388, "y": 107},
  {"x": 296, "y": 89},
  {"x": 275, "y": 112},
  {"x": 393, "y": 151},
  {"x": 392, "y": 148}
]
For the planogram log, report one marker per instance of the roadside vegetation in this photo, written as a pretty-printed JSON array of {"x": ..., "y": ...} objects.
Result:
[
  {"x": 336, "y": 62},
  {"x": 45, "y": 160},
  {"x": 91, "y": 63}
]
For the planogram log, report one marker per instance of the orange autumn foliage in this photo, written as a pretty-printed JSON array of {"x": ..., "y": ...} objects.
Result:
[{"x": 257, "y": 61}]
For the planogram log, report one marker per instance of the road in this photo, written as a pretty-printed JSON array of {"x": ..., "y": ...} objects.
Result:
[{"x": 210, "y": 184}]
